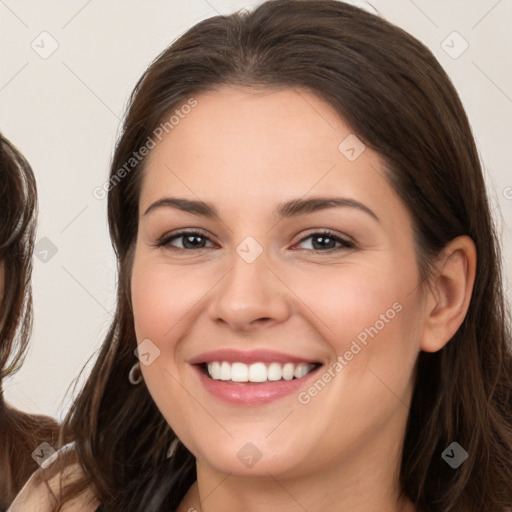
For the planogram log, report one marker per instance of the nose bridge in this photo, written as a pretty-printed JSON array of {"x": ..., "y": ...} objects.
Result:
[{"x": 249, "y": 291}]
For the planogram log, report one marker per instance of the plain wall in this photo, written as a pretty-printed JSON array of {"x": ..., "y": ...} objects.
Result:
[{"x": 63, "y": 111}]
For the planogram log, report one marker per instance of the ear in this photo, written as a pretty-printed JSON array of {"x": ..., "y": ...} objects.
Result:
[{"x": 450, "y": 292}]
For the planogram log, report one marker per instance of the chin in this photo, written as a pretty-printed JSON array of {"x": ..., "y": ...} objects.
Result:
[{"x": 256, "y": 458}]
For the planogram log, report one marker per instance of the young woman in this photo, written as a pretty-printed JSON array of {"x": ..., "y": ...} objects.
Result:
[
  {"x": 20, "y": 433},
  {"x": 309, "y": 271}
]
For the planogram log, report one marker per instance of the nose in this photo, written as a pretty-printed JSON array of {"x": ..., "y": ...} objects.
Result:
[{"x": 249, "y": 295}]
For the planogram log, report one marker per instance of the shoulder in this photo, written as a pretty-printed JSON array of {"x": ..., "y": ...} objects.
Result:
[{"x": 35, "y": 495}]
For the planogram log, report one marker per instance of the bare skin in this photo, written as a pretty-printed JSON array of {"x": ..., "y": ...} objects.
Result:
[{"x": 246, "y": 151}]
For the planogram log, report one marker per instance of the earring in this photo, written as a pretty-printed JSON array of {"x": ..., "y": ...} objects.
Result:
[
  {"x": 172, "y": 447},
  {"x": 132, "y": 375}
]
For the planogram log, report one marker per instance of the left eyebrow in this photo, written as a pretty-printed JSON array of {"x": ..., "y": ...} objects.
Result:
[{"x": 292, "y": 208}]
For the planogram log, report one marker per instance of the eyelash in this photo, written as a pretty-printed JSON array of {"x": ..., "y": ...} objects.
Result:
[{"x": 346, "y": 244}]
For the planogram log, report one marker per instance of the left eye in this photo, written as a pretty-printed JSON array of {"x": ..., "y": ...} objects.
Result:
[
  {"x": 326, "y": 237},
  {"x": 192, "y": 240}
]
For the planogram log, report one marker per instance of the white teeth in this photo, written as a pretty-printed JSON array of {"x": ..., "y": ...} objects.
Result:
[
  {"x": 301, "y": 371},
  {"x": 224, "y": 372},
  {"x": 288, "y": 370},
  {"x": 214, "y": 369},
  {"x": 257, "y": 372},
  {"x": 274, "y": 371},
  {"x": 239, "y": 372}
]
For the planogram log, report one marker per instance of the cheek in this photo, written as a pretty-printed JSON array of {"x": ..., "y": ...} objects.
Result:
[
  {"x": 149, "y": 298},
  {"x": 161, "y": 298},
  {"x": 374, "y": 325},
  {"x": 359, "y": 300},
  {"x": 374, "y": 328}
]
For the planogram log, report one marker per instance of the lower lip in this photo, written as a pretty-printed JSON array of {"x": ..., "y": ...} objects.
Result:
[{"x": 249, "y": 393}]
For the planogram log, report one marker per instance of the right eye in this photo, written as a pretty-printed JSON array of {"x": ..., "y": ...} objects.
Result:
[{"x": 189, "y": 237}]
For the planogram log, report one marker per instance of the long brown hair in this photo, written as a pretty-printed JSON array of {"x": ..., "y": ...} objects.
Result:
[
  {"x": 20, "y": 433},
  {"x": 399, "y": 101}
]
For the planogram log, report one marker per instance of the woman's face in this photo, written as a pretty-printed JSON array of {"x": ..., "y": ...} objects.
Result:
[{"x": 268, "y": 287}]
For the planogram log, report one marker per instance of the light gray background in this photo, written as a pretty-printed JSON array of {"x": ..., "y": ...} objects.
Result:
[{"x": 64, "y": 111}]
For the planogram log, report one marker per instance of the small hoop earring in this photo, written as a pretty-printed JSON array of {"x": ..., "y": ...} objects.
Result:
[
  {"x": 131, "y": 376},
  {"x": 173, "y": 447}
]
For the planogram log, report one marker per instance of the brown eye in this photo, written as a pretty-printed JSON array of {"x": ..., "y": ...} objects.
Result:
[
  {"x": 325, "y": 242},
  {"x": 191, "y": 240}
]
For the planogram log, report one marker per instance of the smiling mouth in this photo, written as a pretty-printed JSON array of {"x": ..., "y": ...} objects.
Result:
[{"x": 259, "y": 372}]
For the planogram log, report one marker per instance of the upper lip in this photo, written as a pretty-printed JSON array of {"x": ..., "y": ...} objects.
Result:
[{"x": 232, "y": 355}]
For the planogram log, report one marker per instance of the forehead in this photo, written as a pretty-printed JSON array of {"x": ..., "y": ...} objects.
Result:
[
  {"x": 231, "y": 122},
  {"x": 259, "y": 147}
]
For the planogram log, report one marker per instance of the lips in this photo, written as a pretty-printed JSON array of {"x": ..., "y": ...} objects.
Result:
[
  {"x": 251, "y": 393},
  {"x": 254, "y": 366},
  {"x": 252, "y": 377}
]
